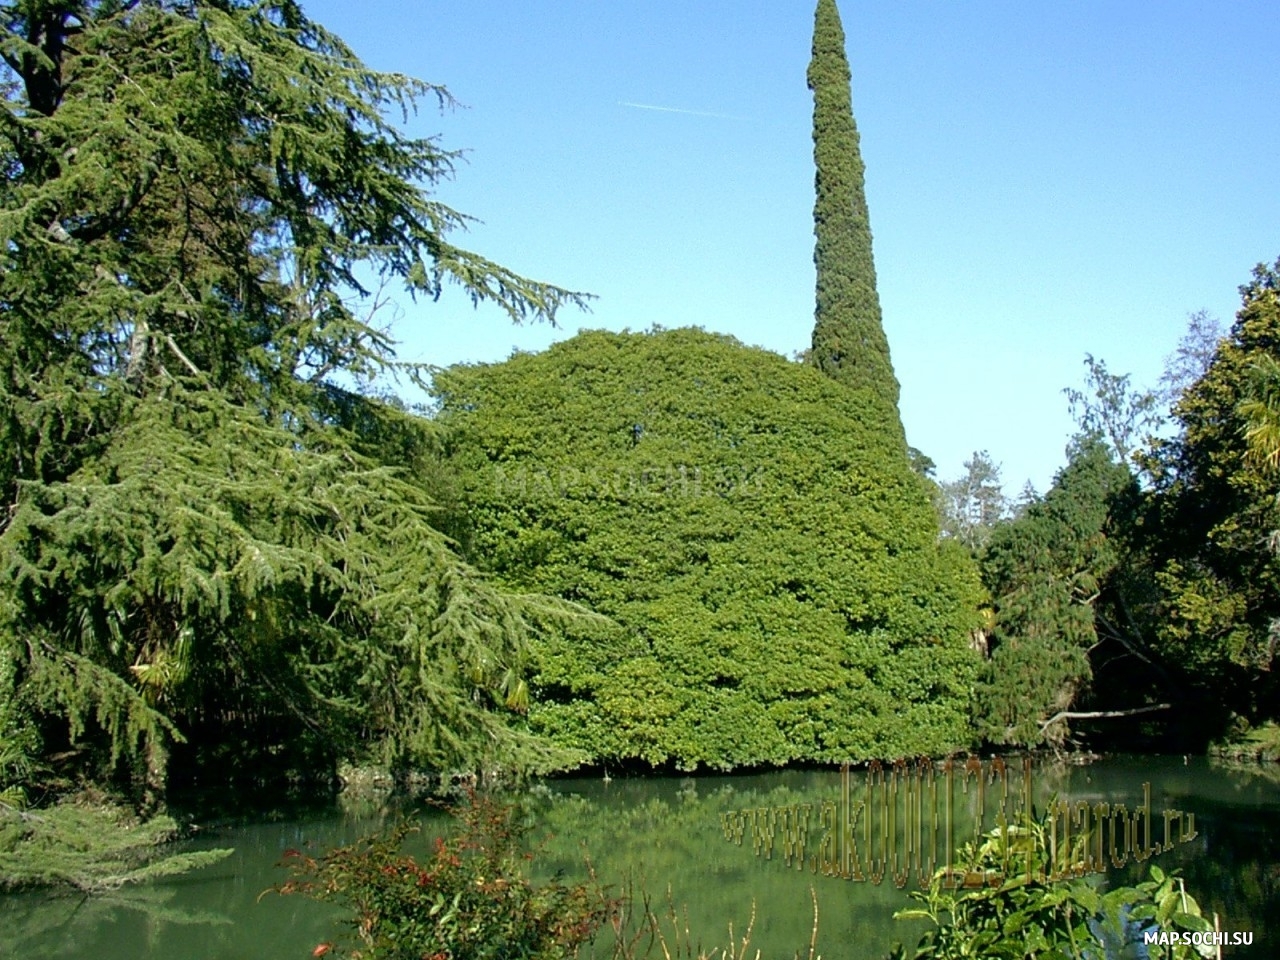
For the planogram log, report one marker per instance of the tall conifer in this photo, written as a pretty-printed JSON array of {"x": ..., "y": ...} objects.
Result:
[
  {"x": 210, "y": 529},
  {"x": 849, "y": 344}
]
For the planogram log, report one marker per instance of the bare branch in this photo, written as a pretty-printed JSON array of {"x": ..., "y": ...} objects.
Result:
[
  {"x": 1099, "y": 714},
  {"x": 186, "y": 361}
]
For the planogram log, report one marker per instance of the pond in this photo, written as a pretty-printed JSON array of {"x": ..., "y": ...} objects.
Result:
[{"x": 691, "y": 842}]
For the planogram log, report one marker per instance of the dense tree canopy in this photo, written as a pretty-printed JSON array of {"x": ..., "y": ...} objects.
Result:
[
  {"x": 1127, "y": 598},
  {"x": 769, "y": 558},
  {"x": 216, "y": 530},
  {"x": 205, "y": 533},
  {"x": 1050, "y": 575},
  {"x": 1210, "y": 530},
  {"x": 1260, "y": 409}
]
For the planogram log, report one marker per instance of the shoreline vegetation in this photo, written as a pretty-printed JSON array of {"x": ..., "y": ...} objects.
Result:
[
  {"x": 89, "y": 845},
  {"x": 1261, "y": 745}
]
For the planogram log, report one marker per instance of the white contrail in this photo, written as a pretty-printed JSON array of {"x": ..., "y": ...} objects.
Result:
[{"x": 692, "y": 113}]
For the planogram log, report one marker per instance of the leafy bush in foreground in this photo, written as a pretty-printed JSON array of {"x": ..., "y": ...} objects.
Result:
[
  {"x": 1027, "y": 915},
  {"x": 470, "y": 900}
]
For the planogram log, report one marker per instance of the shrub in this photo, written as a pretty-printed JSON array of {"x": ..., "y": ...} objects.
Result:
[
  {"x": 1028, "y": 915},
  {"x": 470, "y": 899},
  {"x": 755, "y": 533}
]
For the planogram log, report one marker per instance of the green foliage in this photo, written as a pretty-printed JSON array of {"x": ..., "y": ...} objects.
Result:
[
  {"x": 90, "y": 848},
  {"x": 1260, "y": 409},
  {"x": 470, "y": 900},
  {"x": 1250, "y": 745},
  {"x": 213, "y": 561},
  {"x": 208, "y": 532},
  {"x": 1180, "y": 596},
  {"x": 1213, "y": 561},
  {"x": 769, "y": 559},
  {"x": 1029, "y": 915},
  {"x": 1048, "y": 572},
  {"x": 849, "y": 343}
]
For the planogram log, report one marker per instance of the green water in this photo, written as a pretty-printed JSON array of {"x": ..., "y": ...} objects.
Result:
[{"x": 654, "y": 834}]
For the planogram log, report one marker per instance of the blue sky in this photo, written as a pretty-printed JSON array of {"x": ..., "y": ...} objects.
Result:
[{"x": 1044, "y": 181}]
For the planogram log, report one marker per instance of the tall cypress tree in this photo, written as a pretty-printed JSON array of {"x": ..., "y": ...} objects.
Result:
[{"x": 849, "y": 344}]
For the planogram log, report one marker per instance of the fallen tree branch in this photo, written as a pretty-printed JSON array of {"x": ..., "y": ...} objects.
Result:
[{"x": 1098, "y": 714}]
